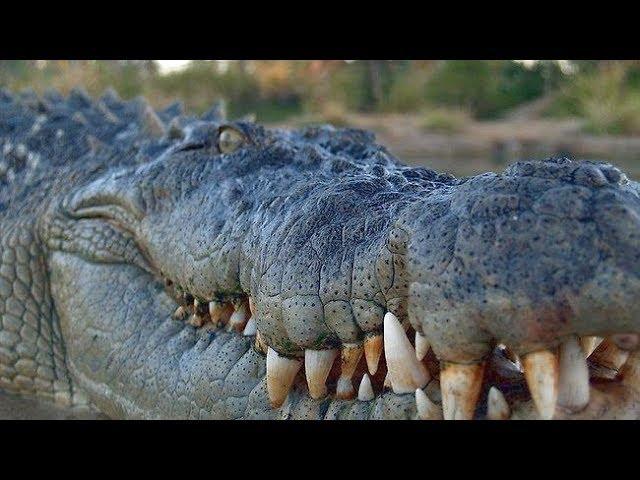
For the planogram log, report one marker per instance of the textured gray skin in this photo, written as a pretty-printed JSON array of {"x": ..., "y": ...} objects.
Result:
[{"x": 99, "y": 204}]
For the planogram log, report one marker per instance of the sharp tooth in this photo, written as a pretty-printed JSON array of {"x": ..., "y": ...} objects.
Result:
[
  {"x": 349, "y": 358},
  {"x": 220, "y": 312},
  {"x": 589, "y": 344},
  {"x": 281, "y": 372},
  {"x": 406, "y": 372},
  {"x": 365, "y": 392},
  {"x": 387, "y": 381},
  {"x": 609, "y": 355},
  {"x": 372, "y": 351},
  {"x": 317, "y": 365},
  {"x": 460, "y": 386},
  {"x": 196, "y": 320},
  {"x": 573, "y": 388},
  {"x": 541, "y": 373},
  {"x": 427, "y": 410},
  {"x": 238, "y": 318},
  {"x": 260, "y": 344},
  {"x": 250, "y": 328},
  {"x": 422, "y": 346},
  {"x": 497, "y": 406},
  {"x": 180, "y": 313}
]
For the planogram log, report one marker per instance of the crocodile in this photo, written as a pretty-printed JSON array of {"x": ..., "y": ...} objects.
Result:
[{"x": 156, "y": 264}]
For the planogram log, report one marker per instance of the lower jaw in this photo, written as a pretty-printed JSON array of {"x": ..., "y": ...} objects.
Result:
[
  {"x": 174, "y": 370},
  {"x": 609, "y": 399}
]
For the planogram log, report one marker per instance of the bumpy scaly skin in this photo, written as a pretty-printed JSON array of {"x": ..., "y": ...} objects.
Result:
[{"x": 102, "y": 201}]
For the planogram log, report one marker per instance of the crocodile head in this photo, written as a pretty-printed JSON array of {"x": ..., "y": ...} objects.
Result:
[{"x": 253, "y": 273}]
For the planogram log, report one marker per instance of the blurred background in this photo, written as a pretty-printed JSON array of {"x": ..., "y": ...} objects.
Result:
[{"x": 459, "y": 116}]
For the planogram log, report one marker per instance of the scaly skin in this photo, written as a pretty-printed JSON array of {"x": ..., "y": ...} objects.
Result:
[{"x": 110, "y": 213}]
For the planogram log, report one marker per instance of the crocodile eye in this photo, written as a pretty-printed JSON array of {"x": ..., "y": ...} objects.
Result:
[{"x": 230, "y": 139}]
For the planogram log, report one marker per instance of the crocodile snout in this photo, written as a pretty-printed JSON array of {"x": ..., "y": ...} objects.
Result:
[{"x": 535, "y": 259}]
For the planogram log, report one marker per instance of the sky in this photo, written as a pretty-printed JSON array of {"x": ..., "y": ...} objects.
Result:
[{"x": 167, "y": 66}]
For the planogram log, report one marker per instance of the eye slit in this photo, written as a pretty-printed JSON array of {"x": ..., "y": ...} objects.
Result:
[{"x": 230, "y": 139}]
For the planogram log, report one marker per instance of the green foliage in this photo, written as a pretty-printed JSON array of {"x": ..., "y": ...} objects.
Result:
[
  {"x": 487, "y": 89},
  {"x": 605, "y": 94},
  {"x": 444, "y": 120},
  {"x": 607, "y": 98},
  {"x": 407, "y": 90},
  {"x": 202, "y": 84}
]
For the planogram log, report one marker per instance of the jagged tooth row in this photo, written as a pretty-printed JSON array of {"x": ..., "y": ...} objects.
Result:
[
  {"x": 405, "y": 372},
  {"x": 236, "y": 315},
  {"x": 553, "y": 379}
]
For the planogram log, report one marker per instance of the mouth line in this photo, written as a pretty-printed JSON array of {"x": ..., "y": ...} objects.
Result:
[{"x": 399, "y": 361}]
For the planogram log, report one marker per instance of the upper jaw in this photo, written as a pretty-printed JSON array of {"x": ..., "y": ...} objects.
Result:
[{"x": 463, "y": 347}]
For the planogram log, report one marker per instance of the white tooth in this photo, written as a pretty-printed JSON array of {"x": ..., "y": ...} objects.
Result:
[
  {"x": 589, "y": 344},
  {"x": 238, "y": 318},
  {"x": 250, "y": 328},
  {"x": 422, "y": 346},
  {"x": 252, "y": 307},
  {"x": 281, "y": 372},
  {"x": 427, "y": 410},
  {"x": 541, "y": 373},
  {"x": 372, "y": 351},
  {"x": 573, "y": 387},
  {"x": 180, "y": 313},
  {"x": 349, "y": 358},
  {"x": 497, "y": 406},
  {"x": 460, "y": 387},
  {"x": 196, "y": 320},
  {"x": 406, "y": 372},
  {"x": 365, "y": 392},
  {"x": 317, "y": 365},
  {"x": 609, "y": 355}
]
